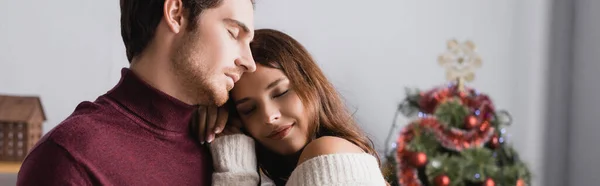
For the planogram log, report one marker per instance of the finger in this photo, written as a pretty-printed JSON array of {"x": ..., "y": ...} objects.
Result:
[
  {"x": 211, "y": 119},
  {"x": 224, "y": 132},
  {"x": 202, "y": 124},
  {"x": 222, "y": 116},
  {"x": 228, "y": 131}
]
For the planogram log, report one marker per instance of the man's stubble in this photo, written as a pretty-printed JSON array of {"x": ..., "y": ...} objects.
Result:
[{"x": 192, "y": 70}]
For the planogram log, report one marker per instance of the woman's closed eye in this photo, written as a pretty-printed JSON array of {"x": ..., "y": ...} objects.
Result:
[
  {"x": 281, "y": 94},
  {"x": 246, "y": 110}
]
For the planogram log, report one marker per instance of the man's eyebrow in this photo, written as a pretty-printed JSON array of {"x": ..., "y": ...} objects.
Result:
[{"x": 238, "y": 23}]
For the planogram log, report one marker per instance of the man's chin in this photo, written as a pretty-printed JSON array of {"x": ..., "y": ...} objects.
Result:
[
  {"x": 220, "y": 103},
  {"x": 220, "y": 99}
]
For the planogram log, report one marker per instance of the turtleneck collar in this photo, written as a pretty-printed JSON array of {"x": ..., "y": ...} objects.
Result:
[{"x": 150, "y": 104}]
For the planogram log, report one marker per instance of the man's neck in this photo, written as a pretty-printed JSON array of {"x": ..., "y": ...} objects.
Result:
[{"x": 153, "y": 68}]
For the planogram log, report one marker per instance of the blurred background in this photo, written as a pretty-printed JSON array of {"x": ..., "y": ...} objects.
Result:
[{"x": 541, "y": 62}]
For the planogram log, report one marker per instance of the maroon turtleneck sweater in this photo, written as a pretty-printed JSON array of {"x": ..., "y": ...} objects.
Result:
[{"x": 133, "y": 135}]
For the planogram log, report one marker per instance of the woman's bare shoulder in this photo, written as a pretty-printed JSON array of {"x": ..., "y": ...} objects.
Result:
[{"x": 328, "y": 145}]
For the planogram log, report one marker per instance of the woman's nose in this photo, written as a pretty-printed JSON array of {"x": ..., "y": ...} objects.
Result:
[{"x": 272, "y": 115}]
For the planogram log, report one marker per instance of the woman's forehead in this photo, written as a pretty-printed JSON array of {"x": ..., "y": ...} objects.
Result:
[{"x": 257, "y": 81}]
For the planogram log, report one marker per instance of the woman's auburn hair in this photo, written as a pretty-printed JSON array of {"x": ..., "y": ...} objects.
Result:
[{"x": 275, "y": 49}]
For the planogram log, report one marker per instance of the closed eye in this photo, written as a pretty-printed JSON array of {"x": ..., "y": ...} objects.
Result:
[
  {"x": 247, "y": 111},
  {"x": 282, "y": 94},
  {"x": 233, "y": 35}
]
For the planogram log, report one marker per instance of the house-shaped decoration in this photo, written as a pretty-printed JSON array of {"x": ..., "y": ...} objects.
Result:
[{"x": 21, "y": 121}]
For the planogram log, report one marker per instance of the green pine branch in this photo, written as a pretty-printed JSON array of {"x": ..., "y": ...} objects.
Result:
[
  {"x": 452, "y": 113},
  {"x": 423, "y": 141},
  {"x": 410, "y": 106},
  {"x": 390, "y": 170},
  {"x": 444, "y": 164},
  {"x": 478, "y": 161},
  {"x": 501, "y": 164}
]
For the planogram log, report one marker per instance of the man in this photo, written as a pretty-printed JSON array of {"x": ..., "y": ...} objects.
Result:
[{"x": 182, "y": 54}]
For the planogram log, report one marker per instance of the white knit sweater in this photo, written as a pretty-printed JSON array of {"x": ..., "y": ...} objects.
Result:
[{"x": 235, "y": 164}]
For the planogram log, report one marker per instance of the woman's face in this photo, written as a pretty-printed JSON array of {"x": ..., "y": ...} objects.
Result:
[{"x": 271, "y": 111}]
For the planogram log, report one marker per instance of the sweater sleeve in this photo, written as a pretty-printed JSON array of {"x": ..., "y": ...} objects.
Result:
[
  {"x": 234, "y": 161},
  {"x": 347, "y": 169},
  {"x": 50, "y": 164}
]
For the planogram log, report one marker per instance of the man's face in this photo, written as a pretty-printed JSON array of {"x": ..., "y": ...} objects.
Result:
[{"x": 209, "y": 59}]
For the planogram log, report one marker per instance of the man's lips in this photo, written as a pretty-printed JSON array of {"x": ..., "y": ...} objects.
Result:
[{"x": 234, "y": 77}]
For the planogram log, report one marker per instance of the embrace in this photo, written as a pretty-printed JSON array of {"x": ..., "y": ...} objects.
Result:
[{"x": 207, "y": 100}]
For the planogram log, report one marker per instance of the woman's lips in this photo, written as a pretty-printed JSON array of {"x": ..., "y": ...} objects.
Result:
[{"x": 280, "y": 132}]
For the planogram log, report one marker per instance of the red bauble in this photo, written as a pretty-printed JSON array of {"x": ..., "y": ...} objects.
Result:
[
  {"x": 489, "y": 182},
  {"x": 418, "y": 159},
  {"x": 471, "y": 122},
  {"x": 520, "y": 182},
  {"x": 494, "y": 142},
  {"x": 462, "y": 94},
  {"x": 441, "y": 180}
]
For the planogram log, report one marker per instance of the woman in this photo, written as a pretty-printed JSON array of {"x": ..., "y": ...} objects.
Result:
[{"x": 305, "y": 134}]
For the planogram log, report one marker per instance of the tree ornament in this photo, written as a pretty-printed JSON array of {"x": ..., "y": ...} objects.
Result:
[
  {"x": 484, "y": 126},
  {"x": 489, "y": 182},
  {"x": 494, "y": 143},
  {"x": 460, "y": 61},
  {"x": 441, "y": 180},
  {"x": 444, "y": 146},
  {"x": 471, "y": 122},
  {"x": 418, "y": 159},
  {"x": 520, "y": 182}
]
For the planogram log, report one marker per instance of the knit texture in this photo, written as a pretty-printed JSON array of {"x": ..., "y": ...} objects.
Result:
[
  {"x": 132, "y": 135},
  {"x": 235, "y": 164},
  {"x": 232, "y": 165},
  {"x": 338, "y": 169}
]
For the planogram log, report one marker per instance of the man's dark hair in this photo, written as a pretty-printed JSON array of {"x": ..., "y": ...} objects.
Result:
[{"x": 139, "y": 19}]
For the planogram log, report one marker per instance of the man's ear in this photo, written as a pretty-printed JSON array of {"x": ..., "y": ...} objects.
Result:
[{"x": 174, "y": 15}]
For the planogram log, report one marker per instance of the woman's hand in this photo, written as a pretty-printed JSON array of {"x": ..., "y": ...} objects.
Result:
[{"x": 214, "y": 122}]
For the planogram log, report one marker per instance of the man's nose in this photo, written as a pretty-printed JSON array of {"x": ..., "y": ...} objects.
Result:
[{"x": 246, "y": 60}]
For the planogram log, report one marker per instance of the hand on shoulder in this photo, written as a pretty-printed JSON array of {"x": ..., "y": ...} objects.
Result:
[
  {"x": 328, "y": 145},
  {"x": 214, "y": 122}
]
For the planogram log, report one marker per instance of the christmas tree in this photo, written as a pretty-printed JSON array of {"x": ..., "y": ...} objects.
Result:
[{"x": 457, "y": 138}]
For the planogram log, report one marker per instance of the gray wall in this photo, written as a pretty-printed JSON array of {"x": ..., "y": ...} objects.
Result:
[
  {"x": 559, "y": 90},
  {"x": 584, "y": 137},
  {"x": 540, "y": 62},
  {"x": 571, "y": 153}
]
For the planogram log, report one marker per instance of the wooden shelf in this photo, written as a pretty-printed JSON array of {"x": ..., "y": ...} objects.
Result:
[{"x": 10, "y": 167}]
